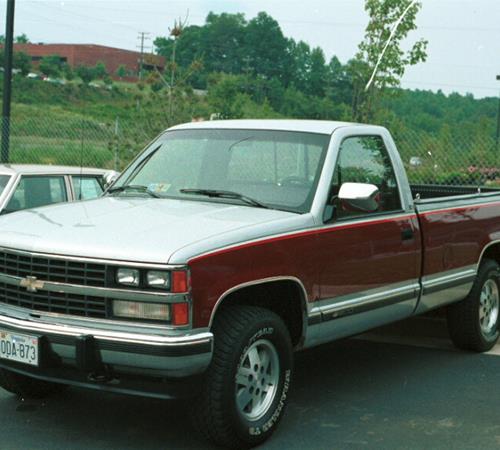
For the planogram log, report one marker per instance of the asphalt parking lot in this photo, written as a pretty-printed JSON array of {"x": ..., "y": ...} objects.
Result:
[{"x": 403, "y": 387}]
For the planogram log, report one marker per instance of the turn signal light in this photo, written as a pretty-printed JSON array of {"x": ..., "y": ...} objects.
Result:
[
  {"x": 180, "y": 282},
  {"x": 180, "y": 314}
]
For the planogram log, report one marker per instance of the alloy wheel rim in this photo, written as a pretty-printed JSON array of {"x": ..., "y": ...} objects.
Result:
[
  {"x": 489, "y": 307},
  {"x": 257, "y": 379}
]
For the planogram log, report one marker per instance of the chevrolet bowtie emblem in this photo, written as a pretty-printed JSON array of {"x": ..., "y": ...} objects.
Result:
[{"x": 32, "y": 284}]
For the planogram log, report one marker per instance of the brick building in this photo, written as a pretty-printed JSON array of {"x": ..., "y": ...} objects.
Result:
[{"x": 90, "y": 55}]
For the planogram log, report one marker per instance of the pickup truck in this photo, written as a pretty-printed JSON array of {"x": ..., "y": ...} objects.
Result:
[
  {"x": 226, "y": 246},
  {"x": 30, "y": 186}
]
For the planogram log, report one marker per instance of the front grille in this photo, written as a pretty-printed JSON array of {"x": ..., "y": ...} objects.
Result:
[
  {"x": 53, "y": 302},
  {"x": 51, "y": 269}
]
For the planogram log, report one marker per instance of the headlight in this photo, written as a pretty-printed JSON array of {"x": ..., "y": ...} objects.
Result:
[
  {"x": 138, "y": 310},
  {"x": 128, "y": 277},
  {"x": 158, "y": 279}
]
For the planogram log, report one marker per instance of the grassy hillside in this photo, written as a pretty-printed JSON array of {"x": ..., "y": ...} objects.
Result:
[{"x": 78, "y": 124}]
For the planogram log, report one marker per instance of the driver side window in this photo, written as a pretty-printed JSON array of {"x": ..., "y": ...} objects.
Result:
[{"x": 365, "y": 159}]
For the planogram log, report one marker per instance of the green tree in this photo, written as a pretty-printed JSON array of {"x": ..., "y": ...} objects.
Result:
[
  {"x": 223, "y": 45},
  {"x": 339, "y": 86},
  {"x": 382, "y": 34},
  {"x": 87, "y": 74},
  {"x": 22, "y": 62},
  {"x": 68, "y": 72},
  {"x": 317, "y": 79},
  {"x": 301, "y": 57},
  {"x": 100, "y": 71},
  {"x": 51, "y": 66},
  {"x": 267, "y": 49},
  {"x": 121, "y": 71},
  {"x": 226, "y": 97},
  {"x": 22, "y": 39}
]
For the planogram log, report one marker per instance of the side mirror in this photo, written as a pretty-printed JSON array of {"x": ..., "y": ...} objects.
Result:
[
  {"x": 359, "y": 197},
  {"x": 109, "y": 178}
]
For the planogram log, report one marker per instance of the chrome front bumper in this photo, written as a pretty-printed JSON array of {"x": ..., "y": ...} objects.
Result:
[{"x": 137, "y": 353}]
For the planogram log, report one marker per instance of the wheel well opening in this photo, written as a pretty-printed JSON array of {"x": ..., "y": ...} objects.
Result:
[
  {"x": 284, "y": 298},
  {"x": 492, "y": 252}
]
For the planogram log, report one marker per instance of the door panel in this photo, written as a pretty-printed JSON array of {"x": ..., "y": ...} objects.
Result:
[
  {"x": 367, "y": 255},
  {"x": 370, "y": 262}
]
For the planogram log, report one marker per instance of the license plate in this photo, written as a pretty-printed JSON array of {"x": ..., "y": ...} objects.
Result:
[{"x": 19, "y": 347}]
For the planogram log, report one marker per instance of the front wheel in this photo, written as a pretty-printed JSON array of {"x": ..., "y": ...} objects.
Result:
[
  {"x": 246, "y": 386},
  {"x": 474, "y": 323}
]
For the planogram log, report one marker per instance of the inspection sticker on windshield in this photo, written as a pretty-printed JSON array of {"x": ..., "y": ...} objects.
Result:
[
  {"x": 159, "y": 188},
  {"x": 19, "y": 347}
]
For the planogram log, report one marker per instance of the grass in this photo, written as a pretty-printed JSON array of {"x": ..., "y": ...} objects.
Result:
[{"x": 39, "y": 150}]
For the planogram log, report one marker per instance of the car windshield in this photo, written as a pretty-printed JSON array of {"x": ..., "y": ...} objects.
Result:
[
  {"x": 4, "y": 179},
  {"x": 277, "y": 169}
]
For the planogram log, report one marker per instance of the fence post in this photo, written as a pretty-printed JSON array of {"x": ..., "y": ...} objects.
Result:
[
  {"x": 117, "y": 131},
  {"x": 7, "y": 81}
]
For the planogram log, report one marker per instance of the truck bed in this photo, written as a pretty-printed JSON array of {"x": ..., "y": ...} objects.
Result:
[{"x": 435, "y": 191}]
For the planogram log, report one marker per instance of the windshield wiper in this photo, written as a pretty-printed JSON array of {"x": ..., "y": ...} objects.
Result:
[
  {"x": 134, "y": 187},
  {"x": 214, "y": 193}
]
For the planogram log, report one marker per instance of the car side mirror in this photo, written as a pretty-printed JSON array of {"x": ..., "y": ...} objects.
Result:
[
  {"x": 109, "y": 178},
  {"x": 359, "y": 197}
]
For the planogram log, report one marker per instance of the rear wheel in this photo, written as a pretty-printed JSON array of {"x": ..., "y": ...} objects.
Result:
[
  {"x": 27, "y": 387},
  {"x": 247, "y": 383},
  {"x": 474, "y": 323}
]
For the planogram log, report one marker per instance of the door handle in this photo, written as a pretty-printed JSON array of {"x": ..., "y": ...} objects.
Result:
[{"x": 407, "y": 234}]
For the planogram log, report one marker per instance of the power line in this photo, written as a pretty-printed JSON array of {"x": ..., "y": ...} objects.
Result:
[
  {"x": 64, "y": 10},
  {"x": 289, "y": 21}
]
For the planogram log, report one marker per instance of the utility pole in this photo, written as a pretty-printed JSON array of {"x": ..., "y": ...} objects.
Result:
[
  {"x": 143, "y": 37},
  {"x": 7, "y": 81}
]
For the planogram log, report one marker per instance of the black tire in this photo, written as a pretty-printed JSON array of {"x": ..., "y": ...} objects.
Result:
[
  {"x": 238, "y": 331},
  {"x": 27, "y": 387},
  {"x": 464, "y": 318}
]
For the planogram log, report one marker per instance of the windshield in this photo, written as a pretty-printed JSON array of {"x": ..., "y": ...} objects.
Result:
[
  {"x": 4, "y": 179},
  {"x": 276, "y": 168}
]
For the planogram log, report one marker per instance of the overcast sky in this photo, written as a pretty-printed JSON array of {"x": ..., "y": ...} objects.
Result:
[{"x": 464, "y": 35}]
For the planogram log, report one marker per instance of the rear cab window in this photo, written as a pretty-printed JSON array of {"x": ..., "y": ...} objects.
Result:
[{"x": 35, "y": 191}]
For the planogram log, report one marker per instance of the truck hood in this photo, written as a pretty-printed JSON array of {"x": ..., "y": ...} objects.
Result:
[{"x": 140, "y": 229}]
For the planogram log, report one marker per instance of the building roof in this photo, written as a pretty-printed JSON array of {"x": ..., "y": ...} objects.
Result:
[
  {"x": 33, "y": 169},
  {"x": 42, "y": 45},
  {"x": 306, "y": 126}
]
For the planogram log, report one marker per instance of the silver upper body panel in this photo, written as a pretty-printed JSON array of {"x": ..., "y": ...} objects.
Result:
[
  {"x": 166, "y": 231},
  {"x": 156, "y": 231}
]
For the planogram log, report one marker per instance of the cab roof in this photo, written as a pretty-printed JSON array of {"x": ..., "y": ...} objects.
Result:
[
  {"x": 305, "y": 126},
  {"x": 34, "y": 169}
]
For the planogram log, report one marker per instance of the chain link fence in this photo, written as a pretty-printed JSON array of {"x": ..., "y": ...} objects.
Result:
[
  {"x": 450, "y": 159},
  {"x": 471, "y": 159},
  {"x": 75, "y": 142}
]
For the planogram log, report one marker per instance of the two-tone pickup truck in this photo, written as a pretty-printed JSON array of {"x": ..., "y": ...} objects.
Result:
[{"x": 224, "y": 247}]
